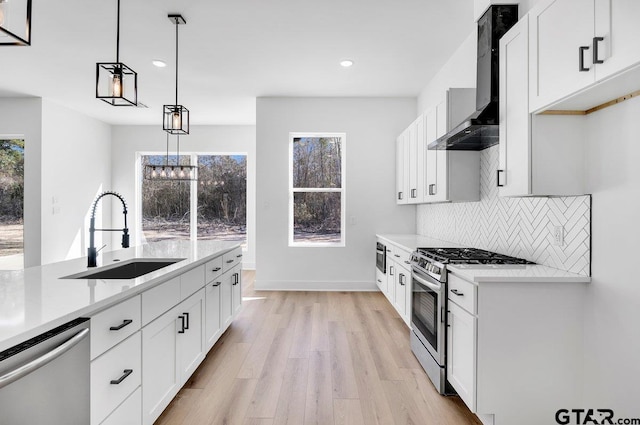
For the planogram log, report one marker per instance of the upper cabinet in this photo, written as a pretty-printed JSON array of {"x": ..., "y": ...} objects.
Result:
[
  {"x": 402, "y": 168},
  {"x": 539, "y": 155},
  {"x": 451, "y": 176},
  {"x": 575, "y": 44}
]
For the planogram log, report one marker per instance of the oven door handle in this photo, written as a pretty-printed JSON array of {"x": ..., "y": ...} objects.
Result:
[
  {"x": 21, "y": 371},
  {"x": 432, "y": 286}
]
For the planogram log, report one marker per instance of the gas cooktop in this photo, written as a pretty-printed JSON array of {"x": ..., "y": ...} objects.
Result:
[{"x": 468, "y": 256}]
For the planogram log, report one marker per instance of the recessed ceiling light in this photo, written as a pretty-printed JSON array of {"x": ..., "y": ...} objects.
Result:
[
  {"x": 346, "y": 63},
  {"x": 159, "y": 63}
]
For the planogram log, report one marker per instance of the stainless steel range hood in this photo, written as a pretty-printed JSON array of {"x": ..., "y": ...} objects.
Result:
[{"x": 480, "y": 130}]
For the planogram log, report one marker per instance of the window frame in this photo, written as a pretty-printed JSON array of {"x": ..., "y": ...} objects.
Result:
[
  {"x": 193, "y": 191},
  {"x": 342, "y": 190}
]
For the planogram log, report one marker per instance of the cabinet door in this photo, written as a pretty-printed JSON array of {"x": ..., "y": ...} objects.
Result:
[
  {"x": 236, "y": 293},
  {"x": 514, "y": 170},
  {"x": 402, "y": 172},
  {"x": 400, "y": 297},
  {"x": 191, "y": 340},
  {"x": 560, "y": 33},
  {"x": 226, "y": 300},
  {"x": 431, "y": 134},
  {"x": 412, "y": 155},
  {"x": 160, "y": 373},
  {"x": 461, "y": 353},
  {"x": 617, "y": 23},
  {"x": 439, "y": 190},
  {"x": 213, "y": 328}
]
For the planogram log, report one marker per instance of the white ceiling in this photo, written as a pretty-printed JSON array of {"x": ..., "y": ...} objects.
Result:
[{"x": 233, "y": 51}]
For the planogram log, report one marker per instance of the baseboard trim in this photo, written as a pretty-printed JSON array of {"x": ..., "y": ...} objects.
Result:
[{"x": 309, "y": 285}]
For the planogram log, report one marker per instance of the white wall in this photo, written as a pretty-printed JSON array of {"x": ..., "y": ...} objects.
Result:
[
  {"x": 371, "y": 126},
  {"x": 128, "y": 140},
  {"x": 23, "y": 117},
  {"x": 76, "y": 166},
  {"x": 612, "y": 323}
]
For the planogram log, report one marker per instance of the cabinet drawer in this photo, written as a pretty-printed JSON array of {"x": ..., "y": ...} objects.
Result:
[
  {"x": 114, "y": 376},
  {"x": 230, "y": 259},
  {"x": 129, "y": 412},
  {"x": 159, "y": 299},
  {"x": 462, "y": 293},
  {"x": 213, "y": 269},
  {"x": 191, "y": 282},
  {"x": 113, "y": 325},
  {"x": 400, "y": 256}
]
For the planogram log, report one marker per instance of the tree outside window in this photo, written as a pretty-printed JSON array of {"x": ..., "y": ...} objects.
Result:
[{"x": 317, "y": 195}]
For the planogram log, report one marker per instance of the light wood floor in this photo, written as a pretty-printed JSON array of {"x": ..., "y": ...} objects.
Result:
[{"x": 326, "y": 358}]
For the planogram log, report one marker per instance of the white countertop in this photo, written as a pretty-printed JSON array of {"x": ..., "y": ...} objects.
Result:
[
  {"x": 488, "y": 273},
  {"x": 412, "y": 242},
  {"x": 35, "y": 299},
  {"x": 512, "y": 273}
]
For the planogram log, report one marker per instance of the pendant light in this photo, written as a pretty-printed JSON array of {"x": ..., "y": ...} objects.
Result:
[
  {"x": 15, "y": 22},
  {"x": 171, "y": 172},
  {"x": 176, "y": 117},
  {"x": 116, "y": 83}
]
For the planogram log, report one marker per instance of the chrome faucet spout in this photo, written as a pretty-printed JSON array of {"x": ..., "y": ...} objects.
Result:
[{"x": 92, "y": 253}]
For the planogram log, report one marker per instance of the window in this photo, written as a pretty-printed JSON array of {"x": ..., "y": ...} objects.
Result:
[
  {"x": 214, "y": 207},
  {"x": 11, "y": 204},
  {"x": 316, "y": 189}
]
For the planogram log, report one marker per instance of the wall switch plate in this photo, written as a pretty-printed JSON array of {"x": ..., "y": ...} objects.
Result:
[{"x": 558, "y": 235}]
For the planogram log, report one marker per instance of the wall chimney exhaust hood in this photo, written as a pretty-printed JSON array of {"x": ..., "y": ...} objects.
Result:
[{"x": 480, "y": 130}]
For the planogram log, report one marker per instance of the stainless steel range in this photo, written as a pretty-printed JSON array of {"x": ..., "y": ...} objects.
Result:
[{"x": 429, "y": 306}]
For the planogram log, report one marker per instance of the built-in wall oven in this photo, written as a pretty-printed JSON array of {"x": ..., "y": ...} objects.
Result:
[{"x": 381, "y": 257}]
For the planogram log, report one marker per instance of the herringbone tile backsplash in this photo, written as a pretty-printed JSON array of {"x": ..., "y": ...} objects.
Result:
[{"x": 521, "y": 227}]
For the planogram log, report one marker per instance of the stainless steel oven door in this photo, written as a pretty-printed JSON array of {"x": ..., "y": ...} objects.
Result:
[
  {"x": 427, "y": 314},
  {"x": 381, "y": 257}
]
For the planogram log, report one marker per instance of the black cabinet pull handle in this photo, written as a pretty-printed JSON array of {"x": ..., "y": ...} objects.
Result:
[
  {"x": 581, "y": 51},
  {"x": 239, "y": 256},
  {"x": 414, "y": 193},
  {"x": 396, "y": 255},
  {"x": 229, "y": 261},
  {"x": 216, "y": 284},
  {"x": 124, "y": 323},
  {"x": 388, "y": 250},
  {"x": 455, "y": 292},
  {"x": 407, "y": 262},
  {"x": 181, "y": 331},
  {"x": 391, "y": 270},
  {"x": 217, "y": 269},
  {"x": 401, "y": 281},
  {"x": 498, "y": 178},
  {"x": 186, "y": 315},
  {"x": 595, "y": 49},
  {"x": 126, "y": 373},
  {"x": 379, "y": 281},
  {"x": 432, "y": 189},
  {"x": 235, "y": 279},
  {"x": 400, "y": 196}
]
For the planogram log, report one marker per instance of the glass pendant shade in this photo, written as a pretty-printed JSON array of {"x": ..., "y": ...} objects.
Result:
[
  {"x": 171, "y": 172},
  {"x": 176, "y": 119},
  {"x": 15, "y": 22},
  {"x": 116, "y": 84}
]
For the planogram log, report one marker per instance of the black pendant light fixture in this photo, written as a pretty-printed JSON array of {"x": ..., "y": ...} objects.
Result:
[
  {"x": 171, "y": 172},
  {"x": 15, "y": 22},
  {"x": 116, "y": 83},
  {"x": 175, "y": 118}
]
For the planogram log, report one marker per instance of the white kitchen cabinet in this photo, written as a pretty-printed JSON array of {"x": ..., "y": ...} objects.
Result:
[
  {"x": 540, "y": 155},
  {"x": 451, "y": 176},
  {"x": 226, "y": 299},
  {"x": 461, "y": 353},
  {"x": 213, "y": 324},
  {"x": 416, "y": 161},
  {"x": 402, "y": 168},
  {"x": 173, "y": 346},
  {"x": 402, "y": 282},
  {"x": 236, "y": 290},
  {"x": 602, "y": 42},
  {"x": 398, "y": 280},
  {"x": 128, "y": 413}
]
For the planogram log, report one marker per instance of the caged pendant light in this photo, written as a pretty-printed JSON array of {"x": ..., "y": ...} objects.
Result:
[
  {"x": 116, "y": 83},
  {"x": 176, "y": 117},
  {"x": 171, "y": 172},
  {"x": 15, "y": 22}
]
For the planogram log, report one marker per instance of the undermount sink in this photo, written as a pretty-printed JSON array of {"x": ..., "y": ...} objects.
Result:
[{"x": 129, "y": 269}]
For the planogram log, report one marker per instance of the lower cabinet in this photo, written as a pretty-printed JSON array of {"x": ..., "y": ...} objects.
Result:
[
  {"x": 396, "y": 283},
  {"x": 128, "y": 413},
  {"x": 213, "y": 323},
  {"x": 236, "y": 290},
  {"x": 402, "y": 279},
  {"x": 461, "y": 353},
  {"x": 173, "y": 346}
]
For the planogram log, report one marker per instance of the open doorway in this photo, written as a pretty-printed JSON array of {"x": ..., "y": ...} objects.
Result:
[{"x": 11, "y": 203}]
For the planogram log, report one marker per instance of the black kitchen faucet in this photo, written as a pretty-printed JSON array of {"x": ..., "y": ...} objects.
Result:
[{"x": 92, "y": 253}]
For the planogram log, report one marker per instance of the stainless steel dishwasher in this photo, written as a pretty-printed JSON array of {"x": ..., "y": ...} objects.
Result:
[{"x": 45, "y": 380}]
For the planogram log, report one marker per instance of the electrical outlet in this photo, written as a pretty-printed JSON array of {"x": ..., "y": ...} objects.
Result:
[{"x": 558, "y": 235}]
